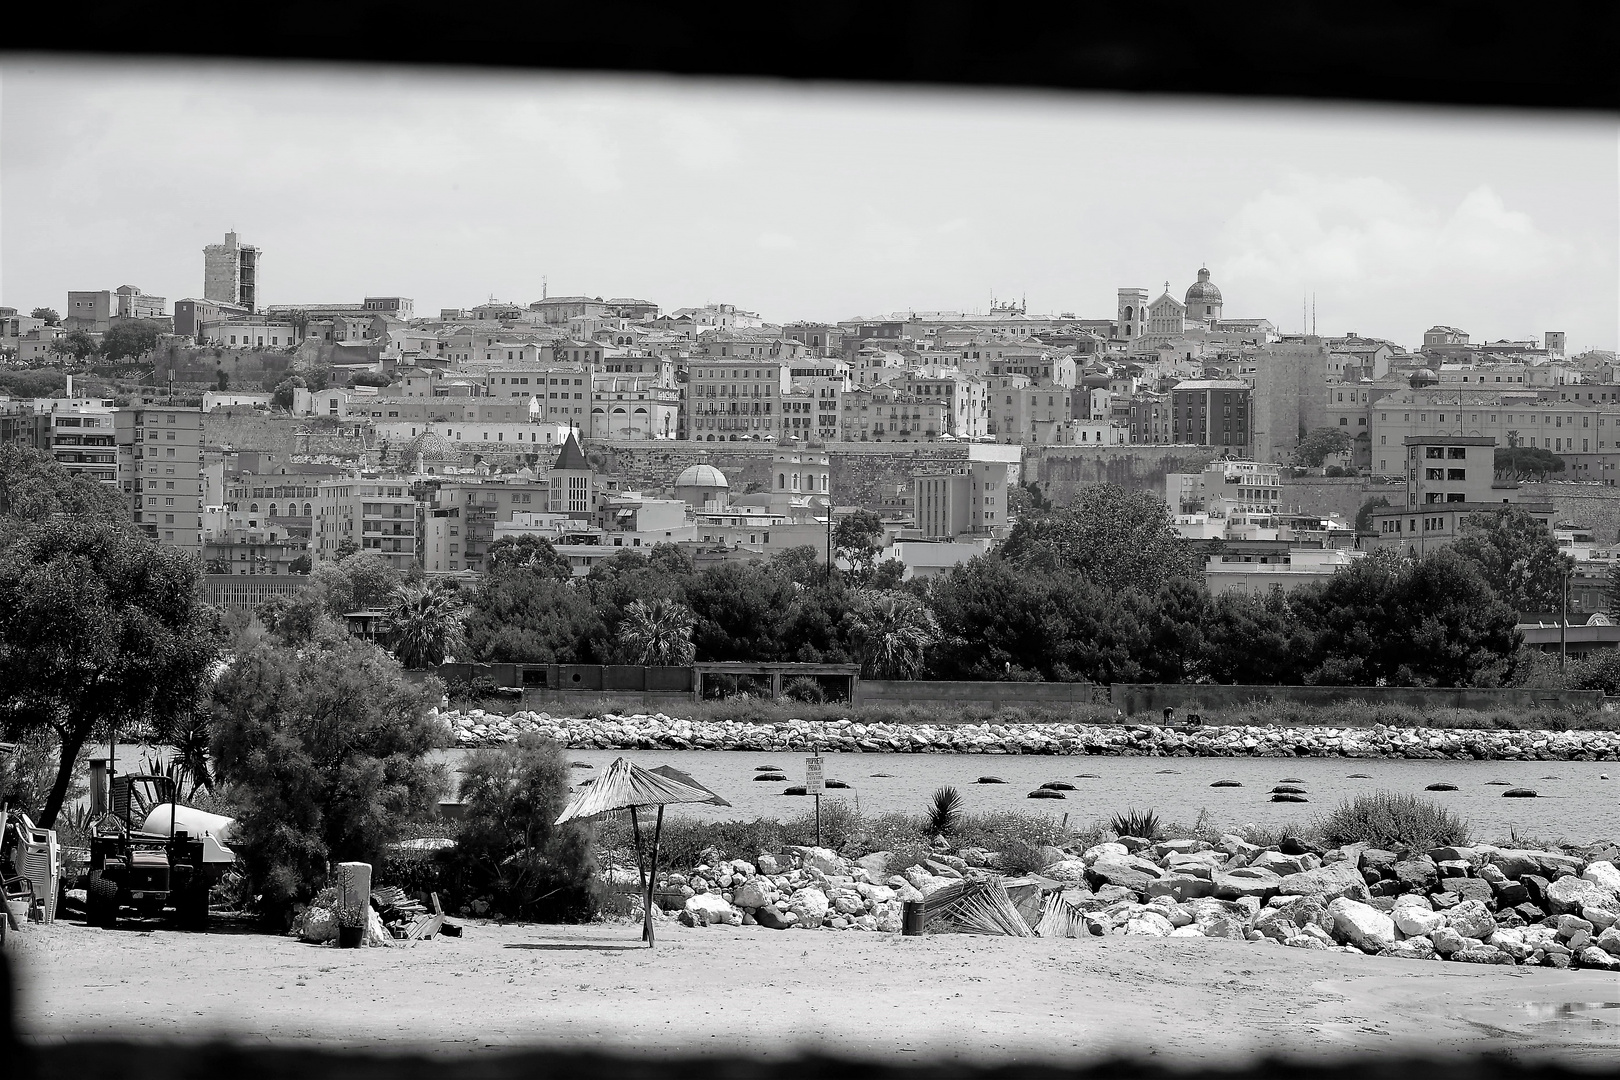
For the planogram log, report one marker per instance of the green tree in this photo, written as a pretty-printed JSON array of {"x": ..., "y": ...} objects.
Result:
[
  {"x": 424, "y": 625},
  {"x": 738, "y": 611},
  {"x": 1518, "y": 557},
  {"x": 100, "y": 629},
  {"x": 325, "y": 748},
  {"x": 75, "y": 346},
  {"x": 1321, "y": 442},
  {"x": 281, "y": 397},
  {"x": 534, "y": 554},
  {"x": 130, "y": 340},
  {"x": 1111, "y": 537},
  {"x": 857, "y": 541},
  {"x": 1364, "y": 515},
  {"x": 222, "y": 380},
  {"x": 372, "y": 581},
  {"x": 1392, "y": 620},
  {"x": 519, "y": 617},
  {"x": 35, "y": 487},
  {"x": 298, "y": 618},
  {"x": 509, "y": 844},
  {"x": 657, "y": 633},
  {"x": 1514, "y": 462},
  {"x": 300, "y": 565},
  {"x": 1249, "y": 639},
  {"x": 892, "y": 634},
  {"x": 48, "y": 314}
]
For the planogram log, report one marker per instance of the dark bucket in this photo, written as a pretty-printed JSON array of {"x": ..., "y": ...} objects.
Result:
[{"x": 911, "y": 918}]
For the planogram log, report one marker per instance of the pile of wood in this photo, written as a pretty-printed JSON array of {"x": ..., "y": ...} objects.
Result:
[{"x": 404, "y": 918}]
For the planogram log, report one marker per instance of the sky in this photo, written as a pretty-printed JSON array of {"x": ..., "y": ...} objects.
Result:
[{"x": 802, "y": 201}]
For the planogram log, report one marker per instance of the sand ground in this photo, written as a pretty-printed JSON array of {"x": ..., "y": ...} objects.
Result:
[{"x": 769, "y": 993}]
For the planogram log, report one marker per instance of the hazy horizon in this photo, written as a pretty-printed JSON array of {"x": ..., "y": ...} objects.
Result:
[{"x": 801, "y": 201}]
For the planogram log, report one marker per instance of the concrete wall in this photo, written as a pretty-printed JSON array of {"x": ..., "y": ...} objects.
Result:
[
  {"x": 1591, "y": 506},
  {"x": 1153, "y": 698},
  {"x": 986, "y": 695},
  {"x": 1341, "y": 495}
]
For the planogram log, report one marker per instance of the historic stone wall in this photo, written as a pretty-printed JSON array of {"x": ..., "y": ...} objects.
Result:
[
  {"x": 247, "y": 370},
  {"x": 1590, "y": 506},
  {"x": 242, "y": 428},
  {"x": 1060, "y": 470}
]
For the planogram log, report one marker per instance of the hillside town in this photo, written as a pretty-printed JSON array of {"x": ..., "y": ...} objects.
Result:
[{"x": 295, "y": 433}]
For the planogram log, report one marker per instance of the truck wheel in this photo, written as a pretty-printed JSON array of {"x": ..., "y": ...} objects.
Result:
[{"x": 101, "y": 901}]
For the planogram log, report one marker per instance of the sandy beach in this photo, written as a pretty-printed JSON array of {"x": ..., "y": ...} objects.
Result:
[{"x": 723, "y": 989}]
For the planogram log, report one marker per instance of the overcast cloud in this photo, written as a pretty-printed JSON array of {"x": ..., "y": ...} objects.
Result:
[{"x": 801, "y": 202}]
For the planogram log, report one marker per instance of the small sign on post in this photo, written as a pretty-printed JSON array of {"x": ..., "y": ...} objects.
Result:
[{"x": 813, "y": 785}]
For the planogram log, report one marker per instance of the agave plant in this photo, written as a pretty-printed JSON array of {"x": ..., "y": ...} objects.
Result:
[
  {"x": 657, "y": 633},
  {"x": 1140, "y": 823},
  {"x": 945, "y": 812},
  {"x": 424, "y": 624}
]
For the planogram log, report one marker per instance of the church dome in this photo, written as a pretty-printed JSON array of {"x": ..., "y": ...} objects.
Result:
[
  {"x": 432, "y": 448},
  {"x": 1203, "y": 290},
  {"x": 702, "y": 476}
]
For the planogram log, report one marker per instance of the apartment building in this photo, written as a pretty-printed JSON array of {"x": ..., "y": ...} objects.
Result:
[
  {"x": 1448, "y": 478},
  {"x": 966, "y": 500},
  {"x": 732, "y": 400},
  {"x": 78, "y": 432},
  {"x": 160, "y": 469},
  {"x": 378, "y": 517},
  {"x": 1211, "y": 412},
  {"x": 964, "y": 397},
  {"x": 464, "y": 519}
]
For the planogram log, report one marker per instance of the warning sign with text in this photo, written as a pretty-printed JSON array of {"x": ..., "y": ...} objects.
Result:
[{"x": 813, "y": 784}]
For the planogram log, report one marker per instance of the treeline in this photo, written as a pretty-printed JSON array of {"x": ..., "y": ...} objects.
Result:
[{"x": 1103, "y": 590}]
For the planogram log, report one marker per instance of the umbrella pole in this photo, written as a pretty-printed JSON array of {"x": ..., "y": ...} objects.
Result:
[
  {"x": 641, "y": 874},
  {"x": 652, "y": 874}
]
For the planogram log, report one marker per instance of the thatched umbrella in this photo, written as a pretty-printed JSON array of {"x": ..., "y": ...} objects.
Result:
[{"x": 628, "y": 787}]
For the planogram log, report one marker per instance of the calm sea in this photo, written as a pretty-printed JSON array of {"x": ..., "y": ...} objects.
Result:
[{"x": 1575, "y": 805}]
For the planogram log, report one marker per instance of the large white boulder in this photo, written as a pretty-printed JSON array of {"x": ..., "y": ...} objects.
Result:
[
  {"x": 753, "y": 893},
  {"x": 810, "y": 905},
  {"x": 712, "y": 908},
  {"x": 1327, "y": 883},
  {"x": 1604, "y": 874},
  {"x": 1415, "y": 921},
  {"x": 1148, "y": 924},
  {"x": 1568, "y": 895},
  {"x": 1361, "y": 925},
  {"x": 1471, "y": 919}
]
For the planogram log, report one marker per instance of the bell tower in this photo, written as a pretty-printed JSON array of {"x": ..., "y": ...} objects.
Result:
[{"x": 1132, "y": 313}]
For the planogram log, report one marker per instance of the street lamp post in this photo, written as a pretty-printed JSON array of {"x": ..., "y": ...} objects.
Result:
[{"x": 1563, "y": 618}]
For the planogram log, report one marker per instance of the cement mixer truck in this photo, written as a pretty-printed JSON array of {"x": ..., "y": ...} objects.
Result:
[{"x": 149, "y": 854}]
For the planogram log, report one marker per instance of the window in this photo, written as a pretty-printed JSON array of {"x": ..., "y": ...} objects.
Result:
[{"x": 1456, "y": 474}]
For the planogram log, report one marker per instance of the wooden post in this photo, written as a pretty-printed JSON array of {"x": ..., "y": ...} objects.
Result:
[{"x": 652, "y": 876}]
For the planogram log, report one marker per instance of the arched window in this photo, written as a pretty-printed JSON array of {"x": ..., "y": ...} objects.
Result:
[
  {"x": 309, "y": 511},
  {"x": 272, "y": 509},
  {"x": 781, "y": 481},
  {"x": 1130, "y": 313},
  {"x": 253, "y": 509}
]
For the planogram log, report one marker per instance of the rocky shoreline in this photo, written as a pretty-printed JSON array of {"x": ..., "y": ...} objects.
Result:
[
  {"x": 1483, "y": 905},
  {"x": 656, "y": 731}
]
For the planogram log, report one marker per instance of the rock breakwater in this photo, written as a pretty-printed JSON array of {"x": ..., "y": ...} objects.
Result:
[
  {"x": 1482, "y": 905},
  {"x": 656, "y": 731}
]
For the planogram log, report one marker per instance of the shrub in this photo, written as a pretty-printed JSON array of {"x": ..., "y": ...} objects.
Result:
[
  {"x": 889, "y": 832},
  {"x": 1018, "y": 857},
  {"x": 1139, "y": 823},
  {"x": 509, "y": 848},
  {"x": 840, "y": 825},
  {"x": 805, "y": 689},
  {"x": 907, "y": 855},
  {"x": 994, "y": 831},
  {"x": 324, "y": 749},
  {"x": 1389, "y": 820},
  {"x": 945, "y": 812}
]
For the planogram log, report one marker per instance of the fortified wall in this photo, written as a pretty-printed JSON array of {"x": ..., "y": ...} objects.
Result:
[
  {"x": 308, "y": 437},
  {"x": 1061, "y": 470}
]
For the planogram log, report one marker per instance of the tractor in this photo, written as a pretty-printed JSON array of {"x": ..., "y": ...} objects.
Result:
[{"x": 162, "y": 865}]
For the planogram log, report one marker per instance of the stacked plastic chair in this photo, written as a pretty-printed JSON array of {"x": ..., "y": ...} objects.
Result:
[{"x": 38, "y": 858}]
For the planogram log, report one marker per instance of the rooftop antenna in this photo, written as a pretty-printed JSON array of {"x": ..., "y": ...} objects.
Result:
[
  {"x": 542, "y": 286},
  {"x": 1313, "y": 314}
]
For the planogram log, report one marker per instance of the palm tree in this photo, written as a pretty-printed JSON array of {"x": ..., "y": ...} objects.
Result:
[
  {"x": 657, "y": 633},
  {"x": 424, "y": 625},
  {"x": 892, "y": 633}
]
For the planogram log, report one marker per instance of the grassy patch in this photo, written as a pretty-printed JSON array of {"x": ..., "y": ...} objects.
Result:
[{"x": 1388, "y": 820}]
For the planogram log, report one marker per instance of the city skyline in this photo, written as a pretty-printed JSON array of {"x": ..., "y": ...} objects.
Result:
[{"x": 802, "y": 202}]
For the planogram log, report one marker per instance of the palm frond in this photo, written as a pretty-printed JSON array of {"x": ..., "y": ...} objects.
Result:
[
  {"x": 989, "y": 910},
  {"x": 1059, "y": 918}
]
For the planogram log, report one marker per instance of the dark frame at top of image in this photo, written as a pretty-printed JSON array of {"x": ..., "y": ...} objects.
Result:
[{"x": 1555, "y": 54}]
